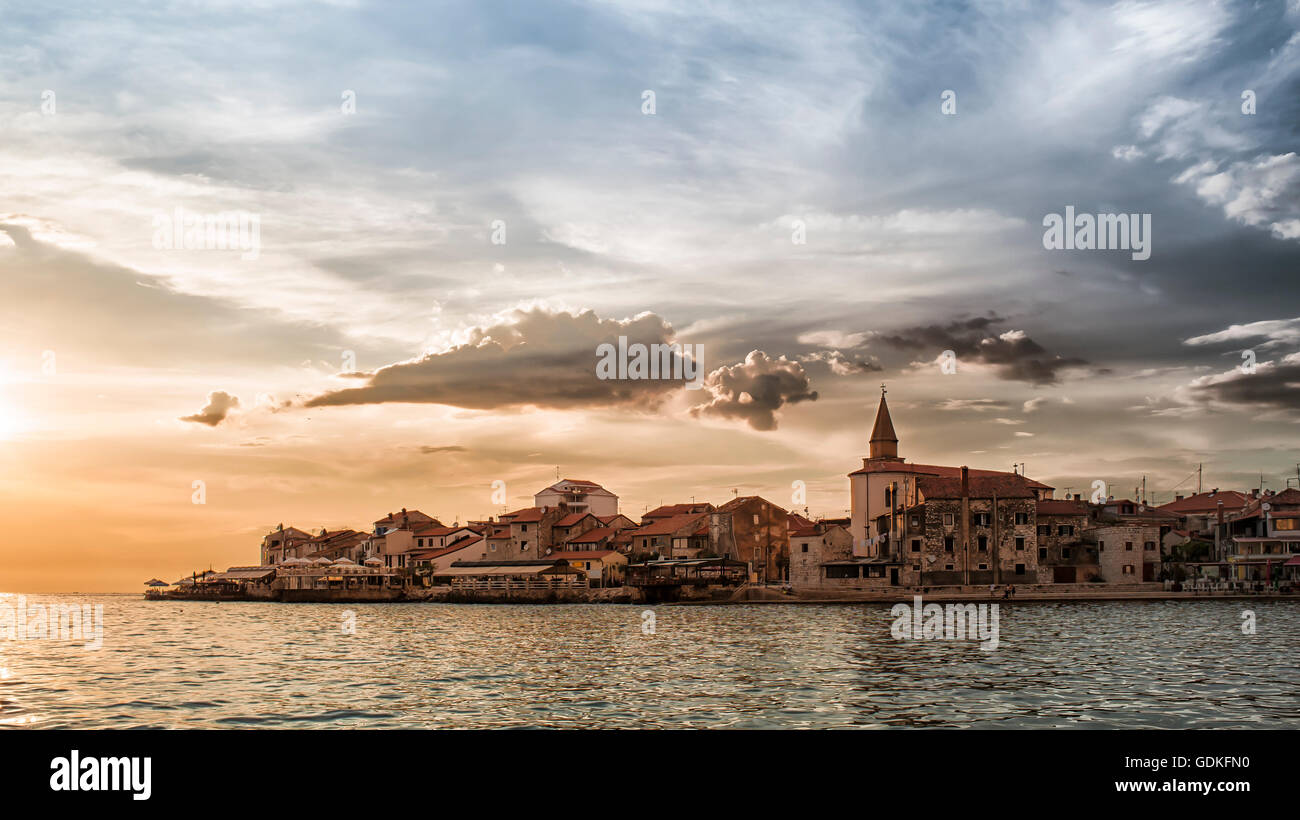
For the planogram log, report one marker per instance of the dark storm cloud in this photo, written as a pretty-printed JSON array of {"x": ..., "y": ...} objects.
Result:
[
  {"x": 534, "y": 357},
  {"x": 1011, "y": 353},
  {"x": 1273, "y": 385}
]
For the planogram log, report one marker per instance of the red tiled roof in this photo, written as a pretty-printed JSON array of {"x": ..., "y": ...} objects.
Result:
[
  {"x": 438, "y": 530},
  {"x": 740, "y": 501},
  {"x": 1006, "y": 485},
  {"x": 429, "y": 555},
  {"x": 572, "y": 519},
  {"x": 1207, "y": 502},
  {"x": 670, "y": 510},
  {"x": 1061, "y": 506},
  {"x": 570, "y": 555},
  {"x": 940, "y": 471},
  {"x": 1286, "y": 498},
  {"x": 668, "y": 526},
  {"x": 593, "y": 536},
  {"x": 527, "y": 515},
  {"x": 797, "y": 521}
]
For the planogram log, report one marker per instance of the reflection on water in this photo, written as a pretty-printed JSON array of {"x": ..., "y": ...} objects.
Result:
[{"x": 190, "y": 664}]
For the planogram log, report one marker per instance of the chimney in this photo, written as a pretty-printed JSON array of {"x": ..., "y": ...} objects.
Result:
[{"x": 965, "y": 523}]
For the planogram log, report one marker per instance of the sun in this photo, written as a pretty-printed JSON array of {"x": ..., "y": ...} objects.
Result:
[{"x": 11, "y": 421}]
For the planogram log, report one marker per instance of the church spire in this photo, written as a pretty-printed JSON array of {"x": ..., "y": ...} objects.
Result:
[{"x": 884, "y": 441}]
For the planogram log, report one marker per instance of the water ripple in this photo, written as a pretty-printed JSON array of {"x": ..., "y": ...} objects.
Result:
[{"x": 1081, "y": 665}]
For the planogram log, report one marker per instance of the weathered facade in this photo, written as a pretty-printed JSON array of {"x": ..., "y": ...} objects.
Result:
[
  {"x": 1126, "y": 553},
  {"x": 971, "y": 531},
  {"x": 813, "y": 546},
  {"x": 758, "y": 535},
  {"x": 1063, "y": 556}
]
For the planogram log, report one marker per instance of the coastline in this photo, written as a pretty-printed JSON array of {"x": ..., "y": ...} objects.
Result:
[{"x": 744, "y": 596}]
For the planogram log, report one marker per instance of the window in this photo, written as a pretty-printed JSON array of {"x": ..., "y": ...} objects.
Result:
[
  {"x": 1149, "y": 546},
  {"x": 492, "y": 547},
  {"x": 947, "y": 519},
  {"x": 1128, "y": 569},
  {"x": 948, "y": 567},
  {"x": 1065, "y": 529},
  {"x": 1022, "y": 518},
  {"x": 948, "y": 543},
  {"x": 805, "y": 547},
  {"x": 1065, "y": 553},
  {"x": 1020, "y": 569},
  {"x": 1101, "y": 546},
  {"x": 889, "y": 498},
  {"x": 523, "y": 545},
  {"x": 979, "y": 519},
  {"x": 916, "y": 545},
  {"x": 1042, "y": 553},
  {"x": 916, "y": 567},
  {"x": 1128, "y": 546},
  {"x": 984, "y": 543},
  {"x": 1286, "y": 524},
  {"x": 1020, "y": 542},
  {"x": 1044, "y": 530},
  {"x": 523, "y": 528},
  {"x": 916, "y": 521},
  {"x": 984, "y": 566}
]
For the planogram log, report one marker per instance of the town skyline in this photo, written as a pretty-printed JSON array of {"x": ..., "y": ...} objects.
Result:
[{"x": 429, "y": 232}]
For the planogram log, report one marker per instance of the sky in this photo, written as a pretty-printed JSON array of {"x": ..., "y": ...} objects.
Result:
[{"x": 448, "y": 209}]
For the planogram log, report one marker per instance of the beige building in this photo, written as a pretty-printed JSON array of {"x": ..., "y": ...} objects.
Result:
[{"x": 814, "y": 544}]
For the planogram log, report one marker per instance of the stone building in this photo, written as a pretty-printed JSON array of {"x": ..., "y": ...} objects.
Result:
[
  {"x": 1126, "y": 553},
  {"x": 887, "y": 485},
  {"x": 755, "y": 531},
  {"x": 813, "y": 544},
  {"x": 971, "y": 530},
  {"x": 1063, "y": 555}
]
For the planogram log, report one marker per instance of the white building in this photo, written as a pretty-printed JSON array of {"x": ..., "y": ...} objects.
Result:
[{"x": 579, "y": 496}]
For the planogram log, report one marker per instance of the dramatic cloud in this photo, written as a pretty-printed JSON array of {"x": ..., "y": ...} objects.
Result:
[
  {"x": 531, "y": 357},
  {"x": 1274, "y": 332},
  {"x": 842, "y": 364},
  {"x": 1262, "y": 192},
  {"x": 755, "y": 389},
  {"x": 1011, "y": 354},
  {"x": 1273, "y": 385},
  {"x": 219, "y": 405}
]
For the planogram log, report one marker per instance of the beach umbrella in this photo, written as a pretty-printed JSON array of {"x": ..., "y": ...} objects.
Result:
[
  {"x": 345, "y": 560},
  {"x": 374, "y": 562},
  {"x": 154, "y": 582}
]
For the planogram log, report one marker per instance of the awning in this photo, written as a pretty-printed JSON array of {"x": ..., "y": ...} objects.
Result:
[{"x": 1294, "y": 562}]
